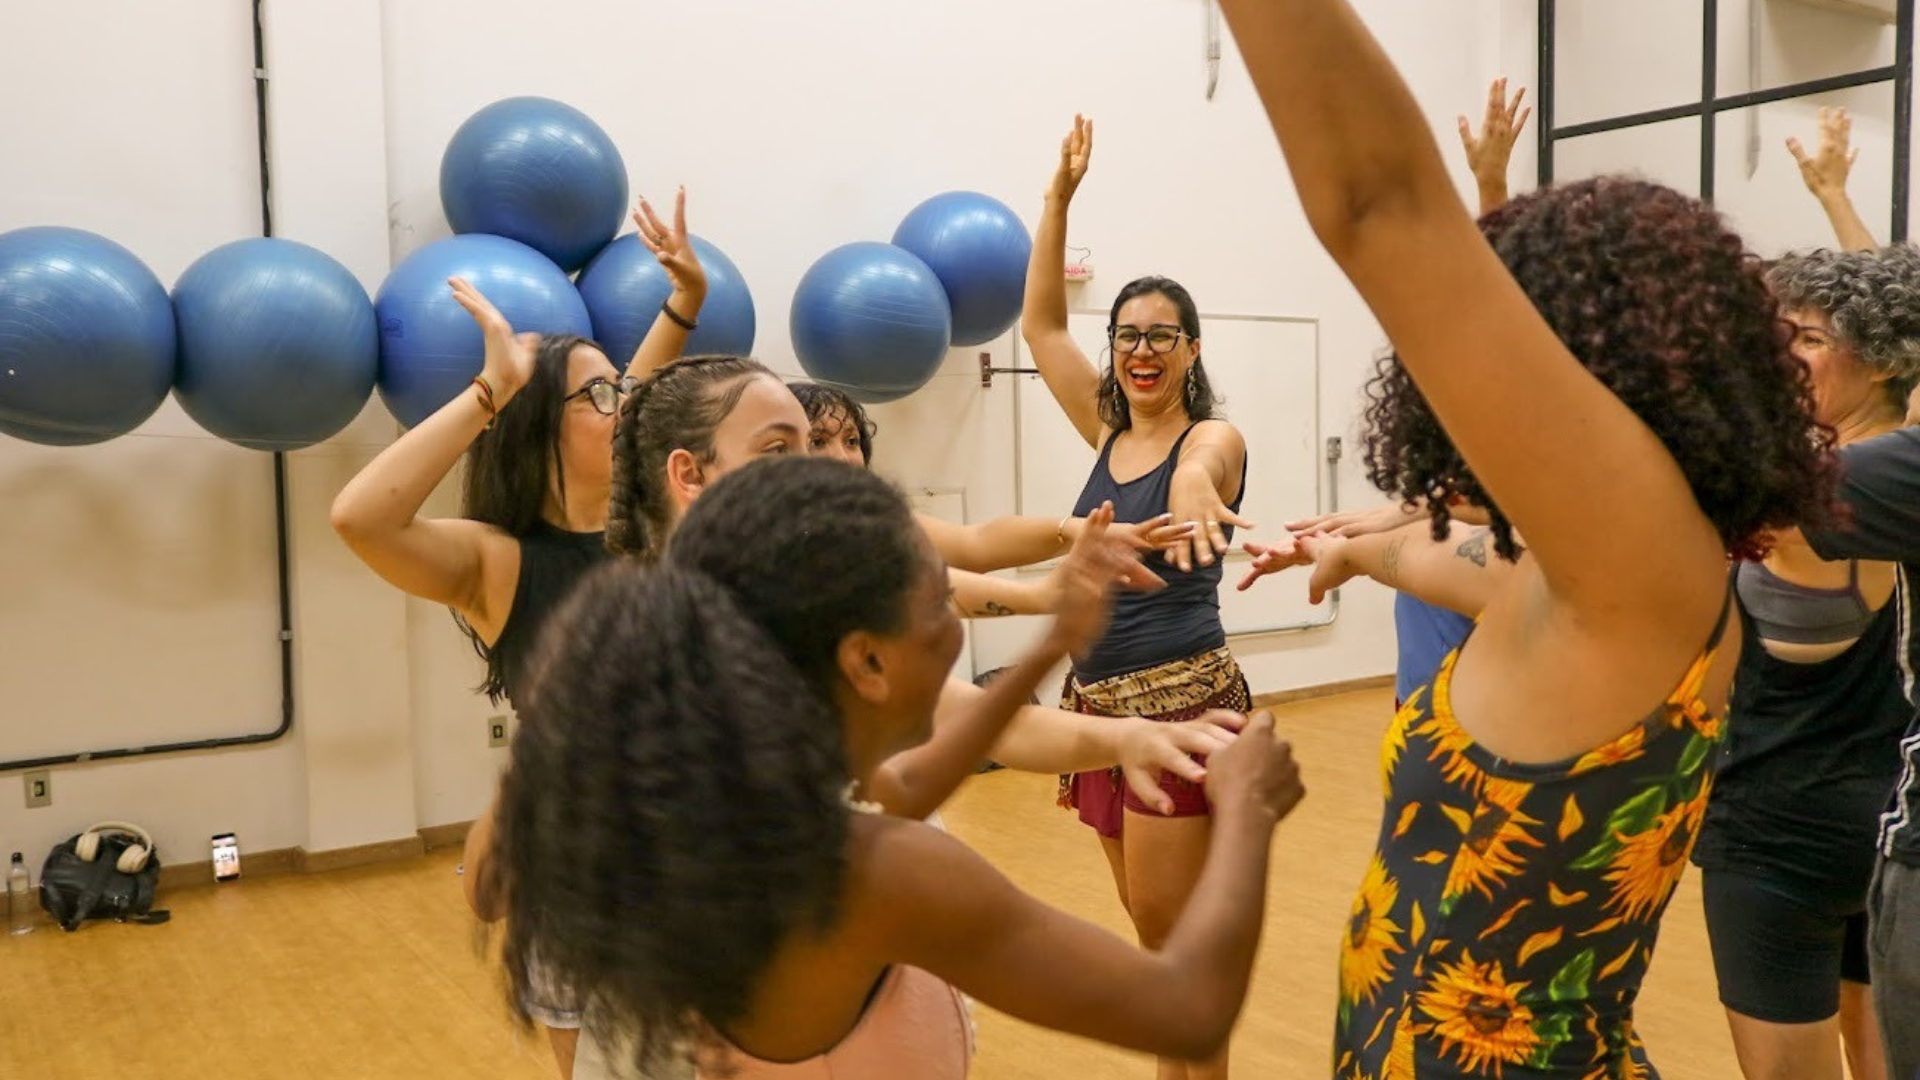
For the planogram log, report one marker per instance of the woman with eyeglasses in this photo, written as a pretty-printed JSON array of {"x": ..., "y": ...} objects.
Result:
[
  {"x": 1151, "y": 414},
  {"x": 536, "y": 427}
]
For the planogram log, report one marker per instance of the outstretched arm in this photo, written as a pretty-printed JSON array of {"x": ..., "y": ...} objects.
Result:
[
  {"x": 942, "y": 908},
  {"x": 1460, "y": 573},
  {"x": 1006, "y": 542},
  {"x": 915, "y": 782}
]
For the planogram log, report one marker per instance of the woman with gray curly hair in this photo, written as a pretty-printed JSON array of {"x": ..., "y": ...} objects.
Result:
[{"x": 1787, "y": 846}]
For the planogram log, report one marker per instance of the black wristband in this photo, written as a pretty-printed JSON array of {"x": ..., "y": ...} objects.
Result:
[{"x": 689, "y": 325}]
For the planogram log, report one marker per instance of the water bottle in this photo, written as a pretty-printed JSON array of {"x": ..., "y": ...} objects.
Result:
[{"x": 20, "y": 900}]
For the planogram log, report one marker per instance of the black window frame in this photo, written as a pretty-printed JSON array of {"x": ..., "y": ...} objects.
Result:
[{"x": 1711, "y": 103}]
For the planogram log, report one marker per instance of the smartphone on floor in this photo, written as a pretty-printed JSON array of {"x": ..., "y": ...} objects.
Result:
[{"x": 226, "y": 857}]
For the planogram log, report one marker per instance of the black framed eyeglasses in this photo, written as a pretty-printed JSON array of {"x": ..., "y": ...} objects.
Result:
[
  {"x": 1159, "y": 338},
  {"x": 603, "y": 395}
]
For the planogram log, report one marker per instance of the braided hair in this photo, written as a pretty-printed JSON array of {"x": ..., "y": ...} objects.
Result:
[{"x": 678, "y": 408}]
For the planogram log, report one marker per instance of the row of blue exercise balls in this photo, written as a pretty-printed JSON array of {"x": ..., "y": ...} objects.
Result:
[
  {"x": 268, "y": 343},
  {"x": 273, "y": 345}
]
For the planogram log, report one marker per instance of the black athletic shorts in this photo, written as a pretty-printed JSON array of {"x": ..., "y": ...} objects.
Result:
[{"x": 1780, "y": 955}]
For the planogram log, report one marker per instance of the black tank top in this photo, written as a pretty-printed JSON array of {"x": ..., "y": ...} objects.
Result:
[
  {"x": 552, "y": 560},
  {"x": 1173, "y": 623},
  {"x": 1810, "y": 762}
]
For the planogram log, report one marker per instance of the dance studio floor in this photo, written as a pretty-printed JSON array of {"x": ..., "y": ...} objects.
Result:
[{"x": 376, "y": 973}]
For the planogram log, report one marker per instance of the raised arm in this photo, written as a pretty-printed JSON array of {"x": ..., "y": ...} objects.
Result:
[
  {"x": 667, "y": 338},
  {"x": 1069, "y": 375},
  {"x": 947, "y": 911},
  {"x": 1825, "y": 172},
  {"x": 1489, "y": 152},
  {"x": 1605, "y": 509},
  {"x": 467, "y": 565}
]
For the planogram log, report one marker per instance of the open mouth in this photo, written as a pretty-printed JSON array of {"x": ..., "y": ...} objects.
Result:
[{"x": 1145, "y": 376}]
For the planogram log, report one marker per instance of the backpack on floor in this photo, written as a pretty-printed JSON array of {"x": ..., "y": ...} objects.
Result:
[{"x": 109, "y": 871}]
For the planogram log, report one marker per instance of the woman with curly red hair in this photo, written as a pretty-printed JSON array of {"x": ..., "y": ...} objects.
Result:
[{"x": 1601, "y": 369}]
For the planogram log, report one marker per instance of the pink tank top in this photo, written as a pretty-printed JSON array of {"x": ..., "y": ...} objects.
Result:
[{"x": 915, "y": 1028}]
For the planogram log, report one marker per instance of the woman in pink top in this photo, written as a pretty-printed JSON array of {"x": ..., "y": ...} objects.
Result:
[{"x": 709, "y": 886}]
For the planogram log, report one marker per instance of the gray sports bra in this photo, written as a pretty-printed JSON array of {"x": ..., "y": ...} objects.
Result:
[{"x": 1799, "y": 614}]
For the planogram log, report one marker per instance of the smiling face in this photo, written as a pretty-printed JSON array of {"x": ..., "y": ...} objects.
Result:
[
  {"x": 1152, "y": 352},
  {"x": 1843, "y": 385}
]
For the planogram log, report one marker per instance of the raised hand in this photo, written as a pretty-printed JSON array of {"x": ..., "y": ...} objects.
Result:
[
  {"x": 1825, "y": 170},
  {"x": 1075, "y": 151},
  {"x": 674, "y": 248},
  {"x": 1489, "y": 152},
  {"x": 1086, "y": 580},
  {"x": 510, "y": 357}
]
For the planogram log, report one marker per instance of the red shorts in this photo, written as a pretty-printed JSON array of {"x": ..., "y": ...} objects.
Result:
[
  {"x": 1169, "y": 693},
  {"x": 1101, "y": 799}
]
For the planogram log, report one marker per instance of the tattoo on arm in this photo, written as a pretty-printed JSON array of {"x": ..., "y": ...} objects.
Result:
[
  {"x": 1390, "y": 564},
  {"x": 1475, "y": 548},
  {"x": 994, "y": 609}
]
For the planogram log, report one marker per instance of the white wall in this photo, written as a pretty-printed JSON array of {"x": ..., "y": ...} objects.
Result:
[
  {"x": 141, "y": 594},
  {"x": 139, "y": 601}
]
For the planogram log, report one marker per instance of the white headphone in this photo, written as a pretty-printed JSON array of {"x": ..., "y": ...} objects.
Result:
[{"x": 131, "y": 861}]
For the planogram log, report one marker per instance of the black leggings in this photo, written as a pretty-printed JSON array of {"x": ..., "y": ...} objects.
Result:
[{"x": 1779, "y": 956}]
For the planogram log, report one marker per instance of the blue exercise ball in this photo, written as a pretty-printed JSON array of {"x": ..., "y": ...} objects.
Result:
[
  {"x": 978, "y": 247},
  {"x": 430, "y": 348},
  {"x": 871, "y": 319},
  {"x": 625, "y": 285},
  {"x": 278, "y": 348},
  {"x": 86, "y": 337},
  {"x": 537, "y": 171}
]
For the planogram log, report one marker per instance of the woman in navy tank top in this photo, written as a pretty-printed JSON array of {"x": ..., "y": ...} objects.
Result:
[{"x": 1163, "y": 449}]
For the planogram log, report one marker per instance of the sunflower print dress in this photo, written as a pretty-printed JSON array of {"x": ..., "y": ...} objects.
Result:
[{"x": 1510, "y": 910}]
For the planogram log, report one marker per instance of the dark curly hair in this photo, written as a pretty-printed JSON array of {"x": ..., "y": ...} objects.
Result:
[
  {"x": 670, "y": 818},
  {"x": 1873, "y": 301},
  {"x": 814, "y": 549},
  {"x": 824, "y": 402},
  {"x": 671, "y": 815},
  {"x": 1662, "y": 302},
  {"x": 677, "y": 408},
  {"x": 510, "y": 466},
  {"x": 1197, "y": 397}
]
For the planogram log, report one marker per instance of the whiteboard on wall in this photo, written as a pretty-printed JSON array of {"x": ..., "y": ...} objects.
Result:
[{"x": 1266, "y": 372}]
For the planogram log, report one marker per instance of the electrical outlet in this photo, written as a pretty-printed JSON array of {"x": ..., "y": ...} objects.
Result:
[
  {"x": 39, "y": 789},
  {"x": 496, "y": 731}
]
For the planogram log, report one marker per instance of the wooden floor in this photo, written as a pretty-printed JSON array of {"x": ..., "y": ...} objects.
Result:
[{"x": 375, "y": 973}]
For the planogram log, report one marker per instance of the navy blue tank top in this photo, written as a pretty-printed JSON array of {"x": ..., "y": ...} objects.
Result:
[{"x": 1181, "y": 620}]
